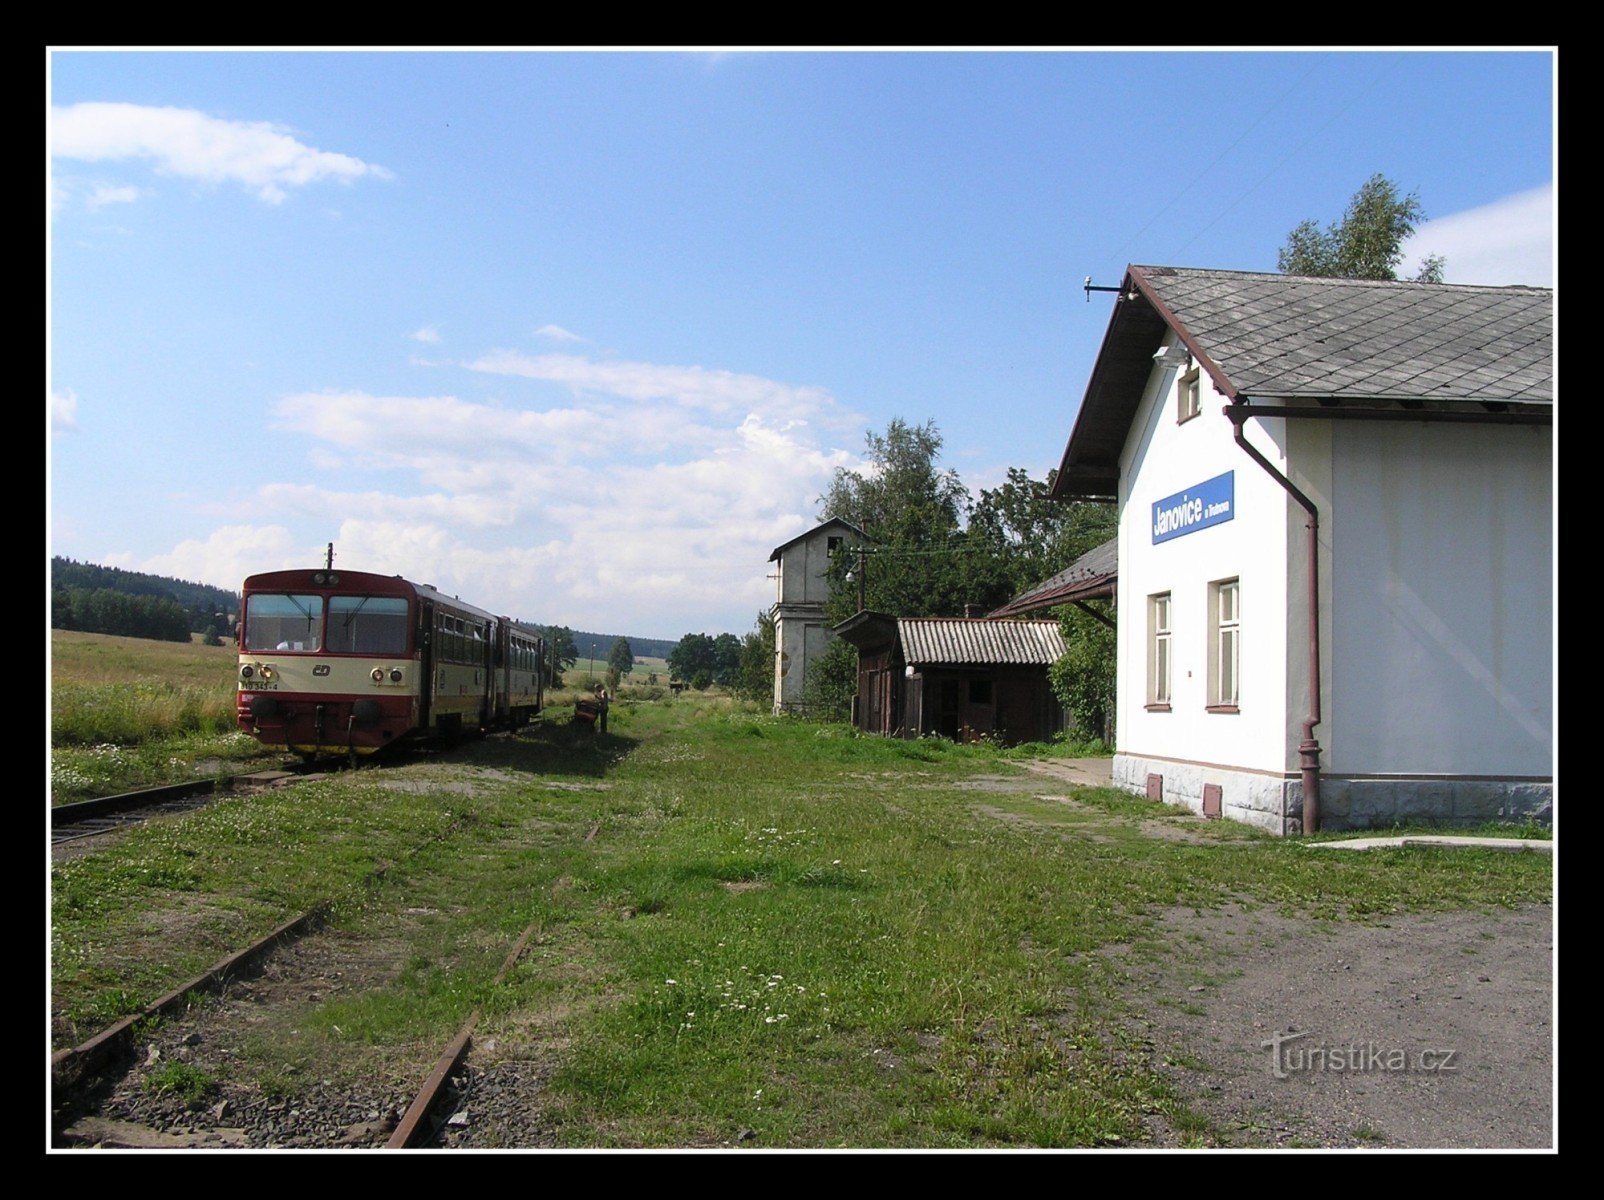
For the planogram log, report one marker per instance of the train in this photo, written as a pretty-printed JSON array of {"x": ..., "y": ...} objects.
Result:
[{"x": 351, "y": 663}]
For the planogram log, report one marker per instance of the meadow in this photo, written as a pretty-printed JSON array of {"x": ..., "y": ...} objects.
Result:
[
  {"x": 131, "y": 712},
  {"x": 743, "y": 925}
]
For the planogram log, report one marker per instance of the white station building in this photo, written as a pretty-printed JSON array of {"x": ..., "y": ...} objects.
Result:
[{"x": 1336, "y": 570}]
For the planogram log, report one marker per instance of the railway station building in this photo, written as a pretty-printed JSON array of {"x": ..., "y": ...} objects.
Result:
[{"x": 1335, "y": 562}]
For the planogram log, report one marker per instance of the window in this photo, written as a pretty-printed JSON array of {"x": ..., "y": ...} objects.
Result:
[
  {"x": 1158, "y": 652},
  {"x": 1189, "y": 396},
  {"x": 1225, "y": 645},
  {"x": 275, "y": 621},
  {"x": 368, "y": 625},
  {"x": 831, "y": 545}
]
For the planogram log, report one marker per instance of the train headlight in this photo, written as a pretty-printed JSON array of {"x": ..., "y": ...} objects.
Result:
[
  {"x": 395, "y": 674},
  {"x": 267, "y": 672},
  {"x": 378, "y": 674},
  {"x": 247, "y": 671}
]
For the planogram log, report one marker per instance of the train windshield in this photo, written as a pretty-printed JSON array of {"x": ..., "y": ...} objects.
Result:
[
  {"x": 275, "y": 621},
  {"x": 368, "y": 625}
]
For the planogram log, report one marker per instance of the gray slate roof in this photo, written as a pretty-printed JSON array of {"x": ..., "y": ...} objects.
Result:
[
  {"x": 1291, "y": 336},
  {"x": 1282, "y": 337},
  {"x": 1089, "y": 577},
  {"x": 965, "y": 641}
]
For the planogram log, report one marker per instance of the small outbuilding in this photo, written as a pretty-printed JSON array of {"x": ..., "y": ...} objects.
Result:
[
  {"x": 801, "y": 632},
  {"x": 959, "y": 677}
]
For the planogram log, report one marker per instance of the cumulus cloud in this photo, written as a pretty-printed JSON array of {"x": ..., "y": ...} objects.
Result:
[
  {"x": 428, "y": 334},
  {"x": 556, "y": 333},
  {"x": 1506, "y": 242},
  {"x": 632, "y": 496},
  {"x": 63, "y": 411},
  {"x": 231, "y": 553},
  {"x": 106, "y": 193},
  {"x": 259, "y": 155}
]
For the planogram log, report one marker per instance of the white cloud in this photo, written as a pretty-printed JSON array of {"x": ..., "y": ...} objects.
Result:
[
  {"x": 723, "y": 393},
  {"x": 106, "y": 193},
  {"x": 427, "y": 334},
  {"x": 1508, "y": 241},
  {"x": 307, "y": 500},
  {"x": 63, "y": 412},
  {"x": 231, "y": 553},
  {"x": 257, "y": 154},
  {"x": 557, "y": 333},
  {"x": 646, "y": 500}
]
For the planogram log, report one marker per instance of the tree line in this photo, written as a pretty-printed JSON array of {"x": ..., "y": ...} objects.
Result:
[
  {"x": 96, "y": 599},
  {"x": 104, "y": 610}
]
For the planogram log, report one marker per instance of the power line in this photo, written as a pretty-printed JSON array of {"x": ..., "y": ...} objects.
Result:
[{"x": 1189, "y": 187}]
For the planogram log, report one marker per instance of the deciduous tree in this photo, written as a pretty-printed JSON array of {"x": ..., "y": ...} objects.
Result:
[{"x": 1367, "y": 243}]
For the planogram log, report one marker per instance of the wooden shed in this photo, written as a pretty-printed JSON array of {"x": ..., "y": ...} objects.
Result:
[{"x": 960, "y": 677}]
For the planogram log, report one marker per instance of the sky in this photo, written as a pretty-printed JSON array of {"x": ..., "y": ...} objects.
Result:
[{"x": 581, "y": 336}]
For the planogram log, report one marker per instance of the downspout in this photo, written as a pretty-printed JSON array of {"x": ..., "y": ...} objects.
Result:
[{"x": 1309, "y": 748}]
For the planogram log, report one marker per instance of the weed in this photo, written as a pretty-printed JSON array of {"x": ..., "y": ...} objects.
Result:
[{"x": 175, "y": 1078}]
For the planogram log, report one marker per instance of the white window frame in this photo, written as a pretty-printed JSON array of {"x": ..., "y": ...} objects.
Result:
[
  {"x": 1160, "y": 651},
  {"x": 1189, "y": 396},
  {"x": 1225, "y": 645}
]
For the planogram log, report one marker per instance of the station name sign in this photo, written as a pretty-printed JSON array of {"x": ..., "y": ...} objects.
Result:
[{"x": 1208, "y": 503}]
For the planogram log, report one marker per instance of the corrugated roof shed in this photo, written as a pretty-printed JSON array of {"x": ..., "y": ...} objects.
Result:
[{"x": 967, "y": 641}]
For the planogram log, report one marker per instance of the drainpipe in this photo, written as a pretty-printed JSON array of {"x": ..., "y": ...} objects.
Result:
[{"x": 1309, "y": 748}]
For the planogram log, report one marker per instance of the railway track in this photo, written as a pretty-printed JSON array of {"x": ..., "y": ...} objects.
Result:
[{"x": 106, "y": 814}]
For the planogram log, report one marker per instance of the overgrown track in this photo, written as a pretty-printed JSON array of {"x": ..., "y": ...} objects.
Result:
[{"x": 87, "y": 818}]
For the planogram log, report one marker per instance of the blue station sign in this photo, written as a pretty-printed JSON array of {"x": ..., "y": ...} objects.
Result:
[{"x": 1209, "y": 503}]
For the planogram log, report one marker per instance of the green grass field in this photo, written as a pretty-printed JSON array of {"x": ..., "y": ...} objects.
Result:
[
  {"x": 131, "y": 712},
  {"x": 742, "y": 923}
]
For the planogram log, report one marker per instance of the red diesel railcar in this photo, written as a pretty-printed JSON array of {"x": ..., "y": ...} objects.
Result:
[{"x": 348, "y": 662}]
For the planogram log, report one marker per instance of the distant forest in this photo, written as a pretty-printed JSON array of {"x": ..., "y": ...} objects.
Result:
[
  {"x": 96, "y": 599},
  {"x": 602, "y": 643}
]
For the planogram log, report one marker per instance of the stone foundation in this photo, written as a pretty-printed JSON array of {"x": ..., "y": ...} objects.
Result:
[{"x": 1276, "y": 803}]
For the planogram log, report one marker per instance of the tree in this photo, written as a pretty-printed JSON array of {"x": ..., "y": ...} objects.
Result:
[
  {"x": 1084, "y": 679},
  {"x": 726, "y": 660},
  {"x": 620, "y": 660},
  {"x": 1366, "y": 244},
  {"x": 756, "y": 678},
  {"x": 1032, "y": 537},
  {"x": 561, "y": 652},
  {"x": 832, "y": 682},
  {"x": 692, "y": 655},
  {"x": 913, "y": 513}
]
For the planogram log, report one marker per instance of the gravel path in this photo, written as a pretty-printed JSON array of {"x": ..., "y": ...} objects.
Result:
[{"x": 1428, "y": 1031}]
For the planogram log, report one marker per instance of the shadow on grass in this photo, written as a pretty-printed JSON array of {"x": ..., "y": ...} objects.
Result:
[{"x": 553, "y": 747}]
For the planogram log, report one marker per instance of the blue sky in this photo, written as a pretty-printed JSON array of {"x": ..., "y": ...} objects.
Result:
[{"x": 581, "y": 336}]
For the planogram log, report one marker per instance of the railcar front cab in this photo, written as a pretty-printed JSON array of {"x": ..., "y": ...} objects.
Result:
[{"x": 329, "y": 661}]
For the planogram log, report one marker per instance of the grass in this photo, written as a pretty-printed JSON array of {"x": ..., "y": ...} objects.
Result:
[
  {"x": 123, "y": 691},
  {"x": 130, "y": 712},
  {"x": 742, "y": 923},
  {"x": 1526, "y": 828},
  {"x": 188, "y": 1083}
]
